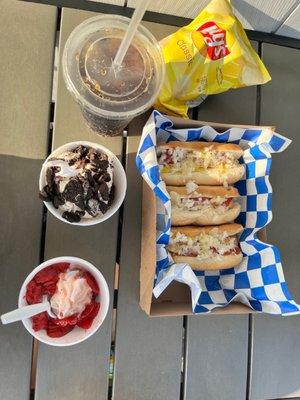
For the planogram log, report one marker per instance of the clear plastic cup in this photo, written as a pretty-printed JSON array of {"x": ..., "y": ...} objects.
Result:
[{"x": 110, "y": 97}]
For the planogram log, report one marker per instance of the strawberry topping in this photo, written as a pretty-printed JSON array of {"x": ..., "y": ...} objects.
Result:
[{"x": 45, "y": 283}]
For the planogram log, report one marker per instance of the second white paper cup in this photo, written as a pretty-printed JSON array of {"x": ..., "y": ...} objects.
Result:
[{"x": 119, "y": 181}]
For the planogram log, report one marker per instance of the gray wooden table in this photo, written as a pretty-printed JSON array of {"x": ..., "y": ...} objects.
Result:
[{"x": 194, "y": 358}]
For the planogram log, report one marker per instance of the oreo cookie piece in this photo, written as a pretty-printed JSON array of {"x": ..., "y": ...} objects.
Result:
[
  {"x": 106, "y": 177},
  {"x": 73, "y": 216},
  {"x": 90, "y": 178},
  {"x": 74, "y": 193},
  {"x": 58, "y": 201},
  {"x": 46, "y": 194},
  {"x": 50, "y": 174},
  {"x": 98, "y": 160},
  {"x": 82, "y": 151},
  {"x": 111, "y": 195},
  {"x": 103, "y": 165},
  {"x": 103, "y": 192},
  {"x": 103, "y": 207},
  {"x": 92, "y": 207}
]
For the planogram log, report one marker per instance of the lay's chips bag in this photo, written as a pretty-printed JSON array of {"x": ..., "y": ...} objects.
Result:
[{"x": 210, "y": 55}]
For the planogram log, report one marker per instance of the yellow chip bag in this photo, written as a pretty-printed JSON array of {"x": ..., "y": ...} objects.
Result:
[{"x": 210, "y": 55}]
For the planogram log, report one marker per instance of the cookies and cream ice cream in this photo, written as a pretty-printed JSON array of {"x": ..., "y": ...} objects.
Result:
[{"x": 79, "y": 182}]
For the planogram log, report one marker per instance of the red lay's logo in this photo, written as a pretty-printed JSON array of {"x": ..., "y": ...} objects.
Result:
[{"x": 214, "y": 38}]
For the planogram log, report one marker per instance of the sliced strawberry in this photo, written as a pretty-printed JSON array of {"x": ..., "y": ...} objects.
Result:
[
  {"x": 33, "y": 292},
  {"x": 71, "y": 320},
  {"x": 92, "y": 282},
  {"x": 40, "y": 321},
  {"x": 86, "y": 324},
  {"x": 55, "y": 331},
  {"x": 88, "y": 309},
  {"x": 61, "y": 267},
  {"x": 95, "y": 310},
  {"x": 48, "y": 274},
  {"x": 49, "y": 289},
  {"x": 86, "y": 319}
]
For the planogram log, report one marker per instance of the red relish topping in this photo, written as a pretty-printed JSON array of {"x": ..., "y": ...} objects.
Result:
[
  {"x": 200, "y": 199},
  {"x": 234, "y": 251},
  {"x": 230, "y": 252}
]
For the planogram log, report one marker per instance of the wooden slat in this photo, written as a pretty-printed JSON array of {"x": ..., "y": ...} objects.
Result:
[
  {"x": 69, "y": 123},
  {"x": 26, "y": 73},
  {"x": 217, "y": 345},
  {"x": 276, "y": 352},
  {"x": 148, "y": 351},
  {"x": 27, "y": 33},
  {"x": 79, "y": 372}
]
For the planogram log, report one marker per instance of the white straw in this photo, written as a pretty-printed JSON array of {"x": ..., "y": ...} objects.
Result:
[{"x": 131, "y": 30}]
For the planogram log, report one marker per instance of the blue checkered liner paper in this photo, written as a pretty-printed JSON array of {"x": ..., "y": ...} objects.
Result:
[{"x": 258, "y": 281}]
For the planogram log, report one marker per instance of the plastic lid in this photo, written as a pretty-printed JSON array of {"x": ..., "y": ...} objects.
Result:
[{"x": 96, "y": 84}]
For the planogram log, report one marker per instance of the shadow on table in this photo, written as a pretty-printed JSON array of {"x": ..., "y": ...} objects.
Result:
[{"x": 20, "y": 238}]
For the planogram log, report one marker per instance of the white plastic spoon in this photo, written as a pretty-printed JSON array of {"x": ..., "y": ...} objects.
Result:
[{"x": 27, "y": 312}]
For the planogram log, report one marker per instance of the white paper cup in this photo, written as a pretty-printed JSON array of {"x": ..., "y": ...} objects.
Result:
[
  {"x": 77, "y": 335},
  {"x": 119, "y": 181}
]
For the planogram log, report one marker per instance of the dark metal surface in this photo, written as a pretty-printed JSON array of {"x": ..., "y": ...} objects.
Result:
[
  {"x": 165, "y": 19},
  {"x": 216, "y": 358},
  {"x": 276, "y": 350},
  {"x": 219, "y": 345}
]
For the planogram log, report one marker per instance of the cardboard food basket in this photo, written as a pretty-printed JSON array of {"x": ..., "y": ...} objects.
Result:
[{"x": 176, "y": 299}]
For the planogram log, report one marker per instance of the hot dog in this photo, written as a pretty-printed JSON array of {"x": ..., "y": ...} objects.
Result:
[
  {"x": 205, "y": 163},
  {"x": 206, "y": 248},
  {"x": 206, "y": 205}
]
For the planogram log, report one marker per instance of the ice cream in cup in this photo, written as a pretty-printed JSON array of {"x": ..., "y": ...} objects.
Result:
[
  {"x": 82, "y": 183},
  {"x": 78, "y": 296}
]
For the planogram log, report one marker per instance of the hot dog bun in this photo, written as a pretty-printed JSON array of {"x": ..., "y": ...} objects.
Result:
[
  {"x": 207, "y": 215},
  {"x": 198, "y": 146},
  {"x": 223, "y": 262},
  {"x": 181, "y": 217},
  {"x": 192, "y": 231},
  {"x": 217, "y": 175},
  {"x": 215, "y": 262},
  {"x": 205, "y": 191},
  {"x": 211, "y": 176}
]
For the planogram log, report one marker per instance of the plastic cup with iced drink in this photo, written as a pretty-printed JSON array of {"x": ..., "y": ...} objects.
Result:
[{"x": 110, "y": 96}]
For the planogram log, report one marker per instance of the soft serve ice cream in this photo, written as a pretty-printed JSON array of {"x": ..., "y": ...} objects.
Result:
[{"x": 72, "y": 293}]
